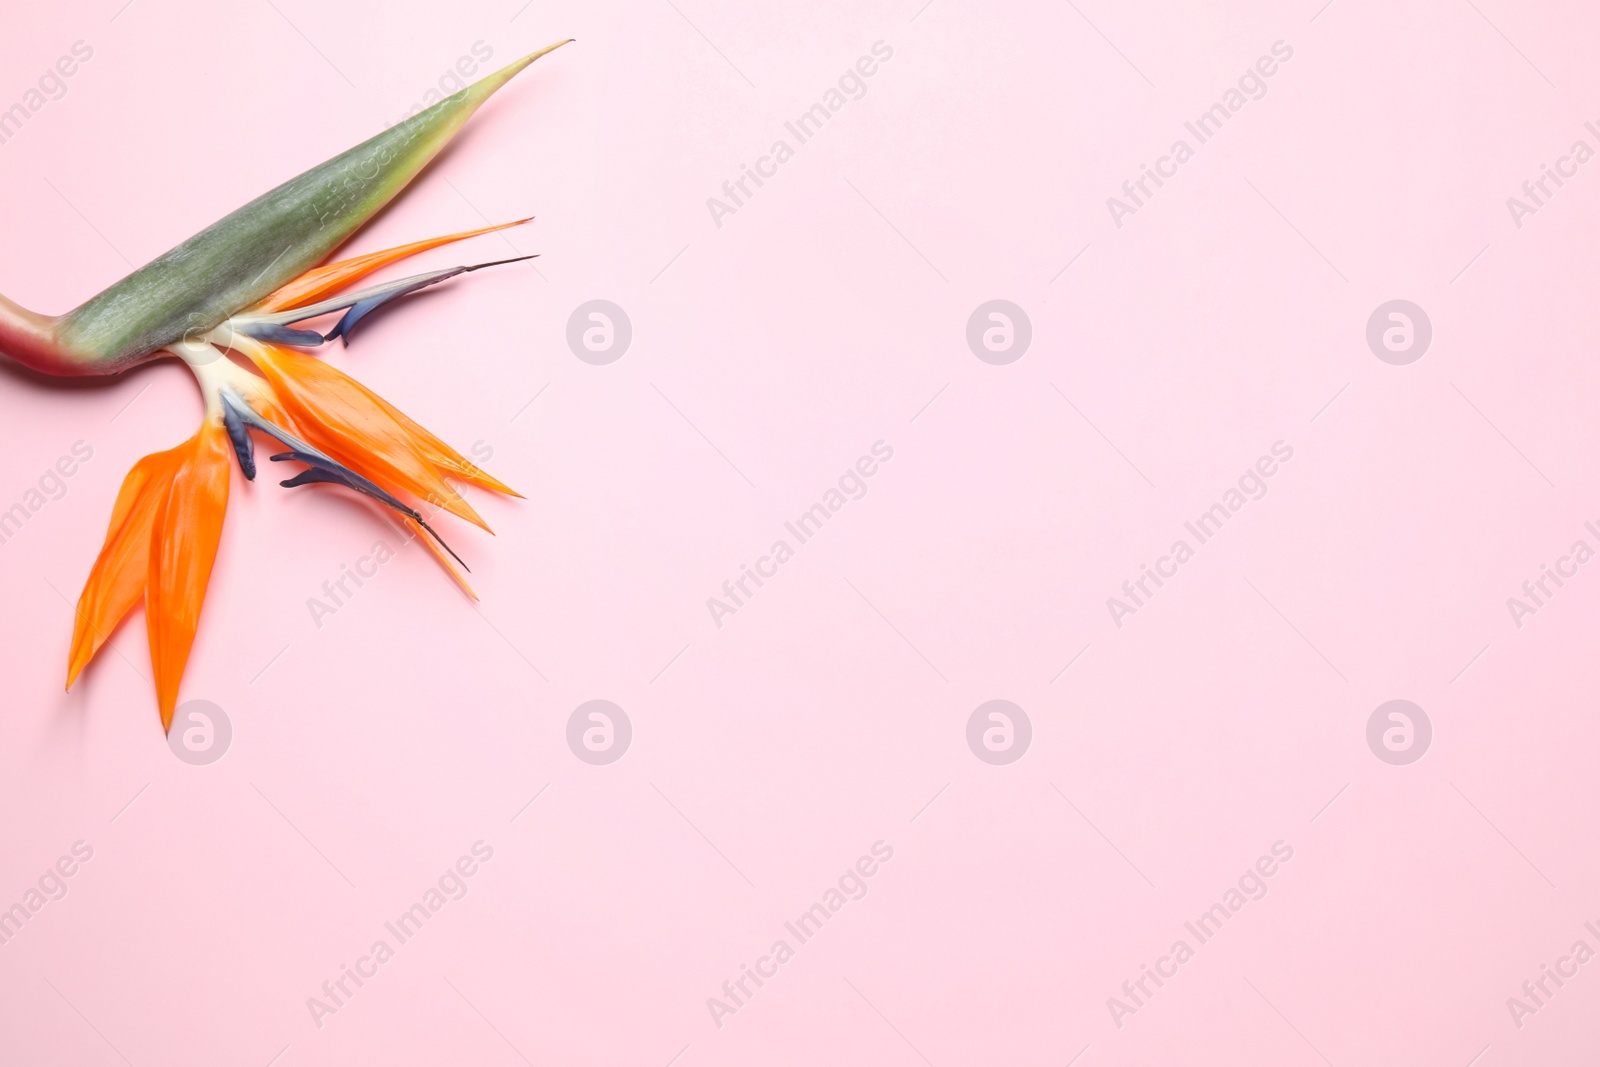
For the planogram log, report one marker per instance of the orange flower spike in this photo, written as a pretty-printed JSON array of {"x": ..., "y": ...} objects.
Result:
[
  {"x": 248, "y": 284},
  {"x": 183, "y": 547},
  {"x": 447, "y": 459},
  {"x": 351, "y": 423},
  {"x": 313, "y": 285},
  {"x": 117, "y": 581}
]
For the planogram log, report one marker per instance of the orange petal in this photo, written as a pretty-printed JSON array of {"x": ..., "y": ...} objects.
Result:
[
  {"x": 354, "y": 425},
  {"x": 117, "y": 580},
  {"x": 452, "y": 462},
  {"x": 324, "y": 281},
  {"x": 444, "y": 457},
  {"x": 432, "y": 448},
  {"x": 183, "y": 547}
]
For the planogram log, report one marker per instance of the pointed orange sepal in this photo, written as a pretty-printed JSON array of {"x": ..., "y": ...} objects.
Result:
[
  {"x": 183, "y": 548},
  {"x": 360, "y": 429},
  {"x": 324, "y": 281},
  {"x": 441, "y": 455},
  {"x": 117, "y": 581}
]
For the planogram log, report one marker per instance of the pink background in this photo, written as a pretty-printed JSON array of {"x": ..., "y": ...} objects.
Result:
[{"x": 768, "y": 754}]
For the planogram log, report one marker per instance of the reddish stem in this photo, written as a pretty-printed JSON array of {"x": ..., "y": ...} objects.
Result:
[{"x": 29, "y": 338}]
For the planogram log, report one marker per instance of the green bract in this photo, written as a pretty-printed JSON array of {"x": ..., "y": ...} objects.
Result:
[{"x": 238, "y": 261}]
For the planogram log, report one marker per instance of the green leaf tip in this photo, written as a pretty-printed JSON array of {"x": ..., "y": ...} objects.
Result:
[{"x": 241, "y": 259}]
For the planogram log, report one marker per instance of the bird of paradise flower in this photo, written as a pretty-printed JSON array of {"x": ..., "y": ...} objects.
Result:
[{"x": 248, "y": 285}]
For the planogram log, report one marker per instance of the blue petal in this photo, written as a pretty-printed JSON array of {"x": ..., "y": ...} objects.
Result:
[
  {"x": 321, "y": 468},
  {"x": 273, "y": 333},
  {"x": 310, "y": 475},
  {"x": 244, "y": 449},
  {"x": 405, "y": 287}
]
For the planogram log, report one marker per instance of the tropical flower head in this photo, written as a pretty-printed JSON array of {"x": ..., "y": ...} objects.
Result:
[{"x": 239, "y": 302}]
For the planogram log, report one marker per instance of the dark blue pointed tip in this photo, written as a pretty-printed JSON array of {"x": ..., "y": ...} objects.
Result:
[
  {"x": 322, "y": 469},
  {"x": 500, "y": 262},
  {"x": 316, "y": 471},
  {"x": 273, "y": 333},
  {"x": 244, "y": 449},
  {"x": 311, "y": 475},
  {"x": 358, "y": 311},
  {"x": 435, "y": 535}
]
